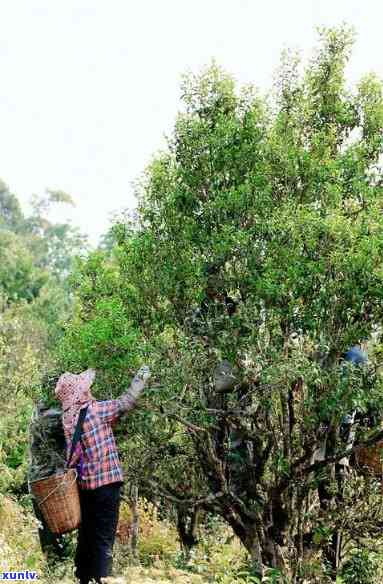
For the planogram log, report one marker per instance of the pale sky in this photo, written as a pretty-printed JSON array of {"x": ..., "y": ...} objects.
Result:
[{"x": 88, "y": 88}]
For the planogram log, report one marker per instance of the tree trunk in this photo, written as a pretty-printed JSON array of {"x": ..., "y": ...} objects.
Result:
[
  {"x": 253, "y": 546},
  {"x": 249, "y": 537},
  {"x": 135, "y": 523},
  {"x": 187, "y": 526}
]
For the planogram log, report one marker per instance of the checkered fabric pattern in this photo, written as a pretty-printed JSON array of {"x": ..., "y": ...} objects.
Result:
[{"x": 99, "y": 464}]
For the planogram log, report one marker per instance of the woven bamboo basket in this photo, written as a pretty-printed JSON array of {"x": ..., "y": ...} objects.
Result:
[
  {"x": 371, "y": 457},
  {"x": 58, "y": 499}
]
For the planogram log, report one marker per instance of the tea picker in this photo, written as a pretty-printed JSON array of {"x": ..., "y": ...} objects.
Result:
[{"x": 86, "y": 494}]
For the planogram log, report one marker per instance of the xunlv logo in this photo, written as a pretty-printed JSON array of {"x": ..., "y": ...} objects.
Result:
[{"x": 25, "y": 575}]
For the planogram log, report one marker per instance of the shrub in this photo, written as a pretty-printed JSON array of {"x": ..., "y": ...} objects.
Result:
[{"x": 360, "y": 568}]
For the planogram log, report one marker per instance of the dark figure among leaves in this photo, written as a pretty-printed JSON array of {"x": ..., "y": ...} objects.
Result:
[{"x": 47, "y": 456}]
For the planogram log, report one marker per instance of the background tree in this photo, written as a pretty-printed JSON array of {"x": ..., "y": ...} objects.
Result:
[{"x": 35, "y": 258}]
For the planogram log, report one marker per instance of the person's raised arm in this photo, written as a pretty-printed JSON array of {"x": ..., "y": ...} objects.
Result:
[{"x": 110, "y": 410}]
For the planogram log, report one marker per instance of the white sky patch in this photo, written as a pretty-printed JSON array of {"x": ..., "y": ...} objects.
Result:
[{"x": 89, "y": 87}]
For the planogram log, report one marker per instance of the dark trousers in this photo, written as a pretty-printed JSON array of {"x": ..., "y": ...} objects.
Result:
[{"x": 99, "y": 518}]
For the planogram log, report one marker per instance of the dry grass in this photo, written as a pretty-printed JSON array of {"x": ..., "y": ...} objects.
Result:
[
  {"x": 20, "y": 550},
  {"x": 216, "y": 560},
  {"x": 157, "y": 576},
  {"x": 137, "y": 576},
  {"x": 19, "y": 543}
]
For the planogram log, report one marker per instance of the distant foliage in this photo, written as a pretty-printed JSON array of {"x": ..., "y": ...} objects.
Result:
[{"x": 35, "y": 259}]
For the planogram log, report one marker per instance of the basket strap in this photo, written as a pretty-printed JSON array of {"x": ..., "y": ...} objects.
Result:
[{"x": 77, "y": 433}]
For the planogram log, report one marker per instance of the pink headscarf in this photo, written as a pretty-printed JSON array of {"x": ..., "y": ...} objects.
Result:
[{"x": 74, "y": 393}]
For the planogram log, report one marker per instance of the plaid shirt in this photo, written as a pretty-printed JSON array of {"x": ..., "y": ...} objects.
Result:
[{"x": 97, "y": 459}]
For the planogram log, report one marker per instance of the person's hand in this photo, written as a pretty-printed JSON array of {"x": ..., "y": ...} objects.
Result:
[
  {"x": 139, "y": 381},
  {"x": 143, "y": 374}
]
